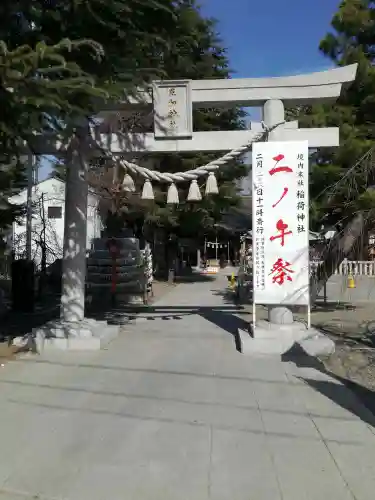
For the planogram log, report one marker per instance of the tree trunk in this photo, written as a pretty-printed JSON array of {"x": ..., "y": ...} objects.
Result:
[{"x": 340, "y": 247}]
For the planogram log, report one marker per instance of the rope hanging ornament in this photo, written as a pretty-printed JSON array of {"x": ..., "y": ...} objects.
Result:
[
  {"x": 211, "y": 184},
  {"x": 189, "y": 175},
  {"x": 172, "y": 196},
  {"x": 147, "y": 191},
  {"x": 128, "y": 183},
  {"x": 194, "y": 191}
]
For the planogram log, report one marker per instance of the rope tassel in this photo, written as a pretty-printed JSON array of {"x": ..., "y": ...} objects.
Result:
[
  {"x": 128, "y": 183},
  {"x": 147, "y": 191},
  {"x": 194, "y": 191},
  {"x": 211, "y": 184},
  {"x": 172, "y": 197}
]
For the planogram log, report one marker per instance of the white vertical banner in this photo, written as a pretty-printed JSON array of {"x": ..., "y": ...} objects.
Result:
[{"x": 280, "y": 172}]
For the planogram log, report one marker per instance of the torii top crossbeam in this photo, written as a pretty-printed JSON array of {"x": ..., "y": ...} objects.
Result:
[
  {"x": 324, "y": 86},
  {"x": 173, "y": 102}
]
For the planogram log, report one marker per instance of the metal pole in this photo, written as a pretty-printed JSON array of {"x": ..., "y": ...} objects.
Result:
[
  {"x": 29, "y": 208},
  {"x": 309, "y": 316},
  {"x": 254, "y": 316}
]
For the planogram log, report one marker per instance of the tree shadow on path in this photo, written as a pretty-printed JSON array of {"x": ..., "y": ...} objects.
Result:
[{"x": 349, "y": 395}]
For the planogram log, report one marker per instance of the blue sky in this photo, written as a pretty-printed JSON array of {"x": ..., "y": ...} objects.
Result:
[{"x": 273, "y": 37}]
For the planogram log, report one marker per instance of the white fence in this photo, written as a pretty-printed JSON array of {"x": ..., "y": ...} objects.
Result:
[{"x": 354, "y": 267}]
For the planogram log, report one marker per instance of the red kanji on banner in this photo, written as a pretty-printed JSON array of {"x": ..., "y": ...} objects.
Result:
[
  {"x": 276, "y": 169},
  {"x": 285, "y": 192},
  {"x": 281, "y": 272},
  {"x": 281, "y": 227}
]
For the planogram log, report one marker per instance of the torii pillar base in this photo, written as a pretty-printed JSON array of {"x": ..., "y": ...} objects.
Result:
[
  {"x": 267, "y": 338},
  {"x": 85, "y": 335}
]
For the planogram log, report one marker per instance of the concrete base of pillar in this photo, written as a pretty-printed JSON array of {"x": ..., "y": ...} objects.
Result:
[
  {"x": 270, "y": 339},
  {"x": 87, "y": 335}
]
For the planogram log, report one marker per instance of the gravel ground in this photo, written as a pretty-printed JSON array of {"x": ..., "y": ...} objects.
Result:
[
  {"x": 7, "y": 352},
  {"x": 353, "y": 330},
  {"x": 355, "y": 367},
  {"x": 354, "y": 364}
]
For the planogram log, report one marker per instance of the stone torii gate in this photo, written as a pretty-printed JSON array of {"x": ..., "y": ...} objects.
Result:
[{"x": 173, "y": 103}]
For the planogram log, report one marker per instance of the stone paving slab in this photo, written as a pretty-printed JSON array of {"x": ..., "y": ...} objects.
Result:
[{"x": 170, "y": 410}]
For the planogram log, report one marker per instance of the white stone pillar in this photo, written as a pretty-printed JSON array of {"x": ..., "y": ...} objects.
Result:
[
  {"x": 74, "y": 253},
  {"x": 273, "y": 113}
]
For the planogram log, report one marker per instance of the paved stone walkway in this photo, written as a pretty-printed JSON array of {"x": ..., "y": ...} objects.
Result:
[{"x": 171, "y": 411}]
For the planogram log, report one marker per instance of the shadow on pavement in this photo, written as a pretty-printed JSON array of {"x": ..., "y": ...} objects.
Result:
[
  {"x": 225, "y": 317},
  {"x": 194, "y": 278},
  {"x": 347, "y": 394},
  {"x": 364, "y": 334},
  {"x": 321, "y": 306},
  {"x": 228, "y": 295},
  {"x": 226, "y": 320},
  {"x": 16, "y": 324}
]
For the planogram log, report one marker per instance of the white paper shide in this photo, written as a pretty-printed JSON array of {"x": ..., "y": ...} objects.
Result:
[{"x": 281, "y": 223}]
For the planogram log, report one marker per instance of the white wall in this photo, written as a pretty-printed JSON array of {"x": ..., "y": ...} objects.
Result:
[{"x": 52, "y": 192}]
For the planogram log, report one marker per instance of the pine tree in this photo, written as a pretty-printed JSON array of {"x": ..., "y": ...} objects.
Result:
[
  {"x": 340, "y": 185},
  {"x": 132, "y": 33},
  {"x": 351, "y": 41},
  {"x": 36, "y": 90},
  {"x": 53, "y": 83}
]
